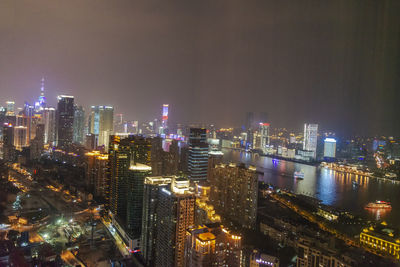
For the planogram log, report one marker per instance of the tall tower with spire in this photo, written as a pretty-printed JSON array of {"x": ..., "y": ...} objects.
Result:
[{"x": 41, "y": 103}]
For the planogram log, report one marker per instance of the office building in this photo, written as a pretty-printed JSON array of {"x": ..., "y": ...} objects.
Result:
[
  {"x": 101, "y": 124},
  {"x": 152, "y": 187},
  {"x": 20, "y": 137},
  {"x": 310, "y": 138},
  {"x": 175, "y": 214},
  {"x": 122, "y": 155},
  {"x": 329, "y": 148},
  {"x": 79, "y": 124},
  {"x": 164, "y": 120},
  {"x": 212, "y": 245},
  {"x": 65, "y": 121},
  {"x": 96, "y": 178},
  {"x": 250, "y": 119},
  {"x": 137, "y": 174},
  {"x": 264, "y": 135},
  {"x": 10, "y": 105},
  {"x": 49, "y": 120},
  {"x": 198, "y": 154},
  {"x": 3, "y": 120},
  {"x": 233, "y": 194}
]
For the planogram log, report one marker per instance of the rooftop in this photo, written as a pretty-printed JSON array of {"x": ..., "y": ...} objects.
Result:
[{"x": 139, "y": 167}]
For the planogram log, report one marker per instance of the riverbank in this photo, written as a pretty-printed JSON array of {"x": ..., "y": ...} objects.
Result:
[{"x": 313, "y": 163}]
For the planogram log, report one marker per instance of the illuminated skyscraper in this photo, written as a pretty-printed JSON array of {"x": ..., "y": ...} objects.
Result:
[
  {"x": 101, "y": 123},
  {"x": 65, "y": 121},
  {"x": 96, "y": 173},
  {"x": 164, "y": 121},
  {"x": 123, "y": 154},
  {"x": 310, "y": 138},
  {"x": 329, "y": 148},
  {"x": 175, "y": 214},
  {"x": 20, "y": 137},
  {"x": 3, "y": 120},
  {"x": 152, "y": 187},
  {"x": 49, "y": 120},
  {"x": 234, "y": 190},
  {"x": 212, "y": 245},
  {"x": 198, "y": 154},
  {"x": 264, "y": 135},
  {"x": 79, "y": 124},
  {"x": 8, "y": 142},
  {"x": 10, "y": 105},
  {"x": 137, "y": 174},
  {"x": 41, "y": 103}
]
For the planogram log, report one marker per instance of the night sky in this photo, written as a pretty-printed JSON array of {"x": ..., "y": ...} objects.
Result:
[{"x": 336, "y": 63}]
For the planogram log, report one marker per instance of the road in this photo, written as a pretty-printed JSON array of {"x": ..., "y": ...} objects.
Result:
[
  {"x": 118, "y": 240},
  {"x": 70, "y": 258}
]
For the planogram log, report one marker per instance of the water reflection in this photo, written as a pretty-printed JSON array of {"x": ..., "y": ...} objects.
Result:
[{"x": 331, "y": 187}]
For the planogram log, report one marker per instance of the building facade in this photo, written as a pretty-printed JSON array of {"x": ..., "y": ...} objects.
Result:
[
  {"x": 65, "y": 121},
  {"x": 212, "y": 245},
  {"x": 234, "y": 191},
  {"x": 310, "y": 138},
  {"x": 101, "y": 124},
  {"x": 198, "y": 154},
  {"x": 175, "y": 214}
]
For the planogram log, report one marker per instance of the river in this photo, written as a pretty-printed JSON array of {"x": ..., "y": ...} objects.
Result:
[{"x": 332, "y": 188}]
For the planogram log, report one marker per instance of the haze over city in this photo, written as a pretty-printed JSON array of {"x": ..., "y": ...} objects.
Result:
[
  {"x": 199, "y": 133},
  {"x": 333, "y": 63}
]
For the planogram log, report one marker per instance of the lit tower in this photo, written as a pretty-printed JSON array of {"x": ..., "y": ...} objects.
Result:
[
  {"x": 164, "y": 123},
  {"x": 310, "y": 138},
  {"x": 41, "y": 103}
]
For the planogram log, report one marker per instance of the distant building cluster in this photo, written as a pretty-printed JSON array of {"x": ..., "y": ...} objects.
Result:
[{"x": 169, "y": 197}]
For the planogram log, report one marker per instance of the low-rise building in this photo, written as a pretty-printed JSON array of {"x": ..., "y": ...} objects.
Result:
[{"x": 382, "y": 239}]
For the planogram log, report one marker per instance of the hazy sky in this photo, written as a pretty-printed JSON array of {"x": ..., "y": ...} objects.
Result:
[{"x": 336, "y": 63}]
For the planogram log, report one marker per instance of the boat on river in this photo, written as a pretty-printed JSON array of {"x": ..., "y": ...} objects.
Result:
[
  {"x": 379, "y": 205},
  {"x": 298, "y": 175}
]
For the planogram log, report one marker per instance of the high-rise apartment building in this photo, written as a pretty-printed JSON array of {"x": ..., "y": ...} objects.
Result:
[
  {"x": 8, "y": 143},
  {"x": 102, "y": 123},
  {"x": 175, "y": 214},
  {"x": 79, "y": 124},
  {"x": 212, "y": 245},
  {"x": 310, "y": 138},
  {"x": 119, "y": 158},
  {"x": 198, "y": 154},
  {"x": 129, "y": 163},
  {"x": 137, "y": 174},
  {"x": 234, "y": 190},
  {"x": 152, "y": 187},
  {"x": 96, "y": 173},
  {"x": 65, "y": 121}
]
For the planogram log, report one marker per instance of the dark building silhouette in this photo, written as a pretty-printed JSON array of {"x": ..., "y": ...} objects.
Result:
[{"x": 65, "y": 121}]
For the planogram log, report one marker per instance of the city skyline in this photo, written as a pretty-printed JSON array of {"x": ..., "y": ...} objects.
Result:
[{"x": 250, "y": 59}]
